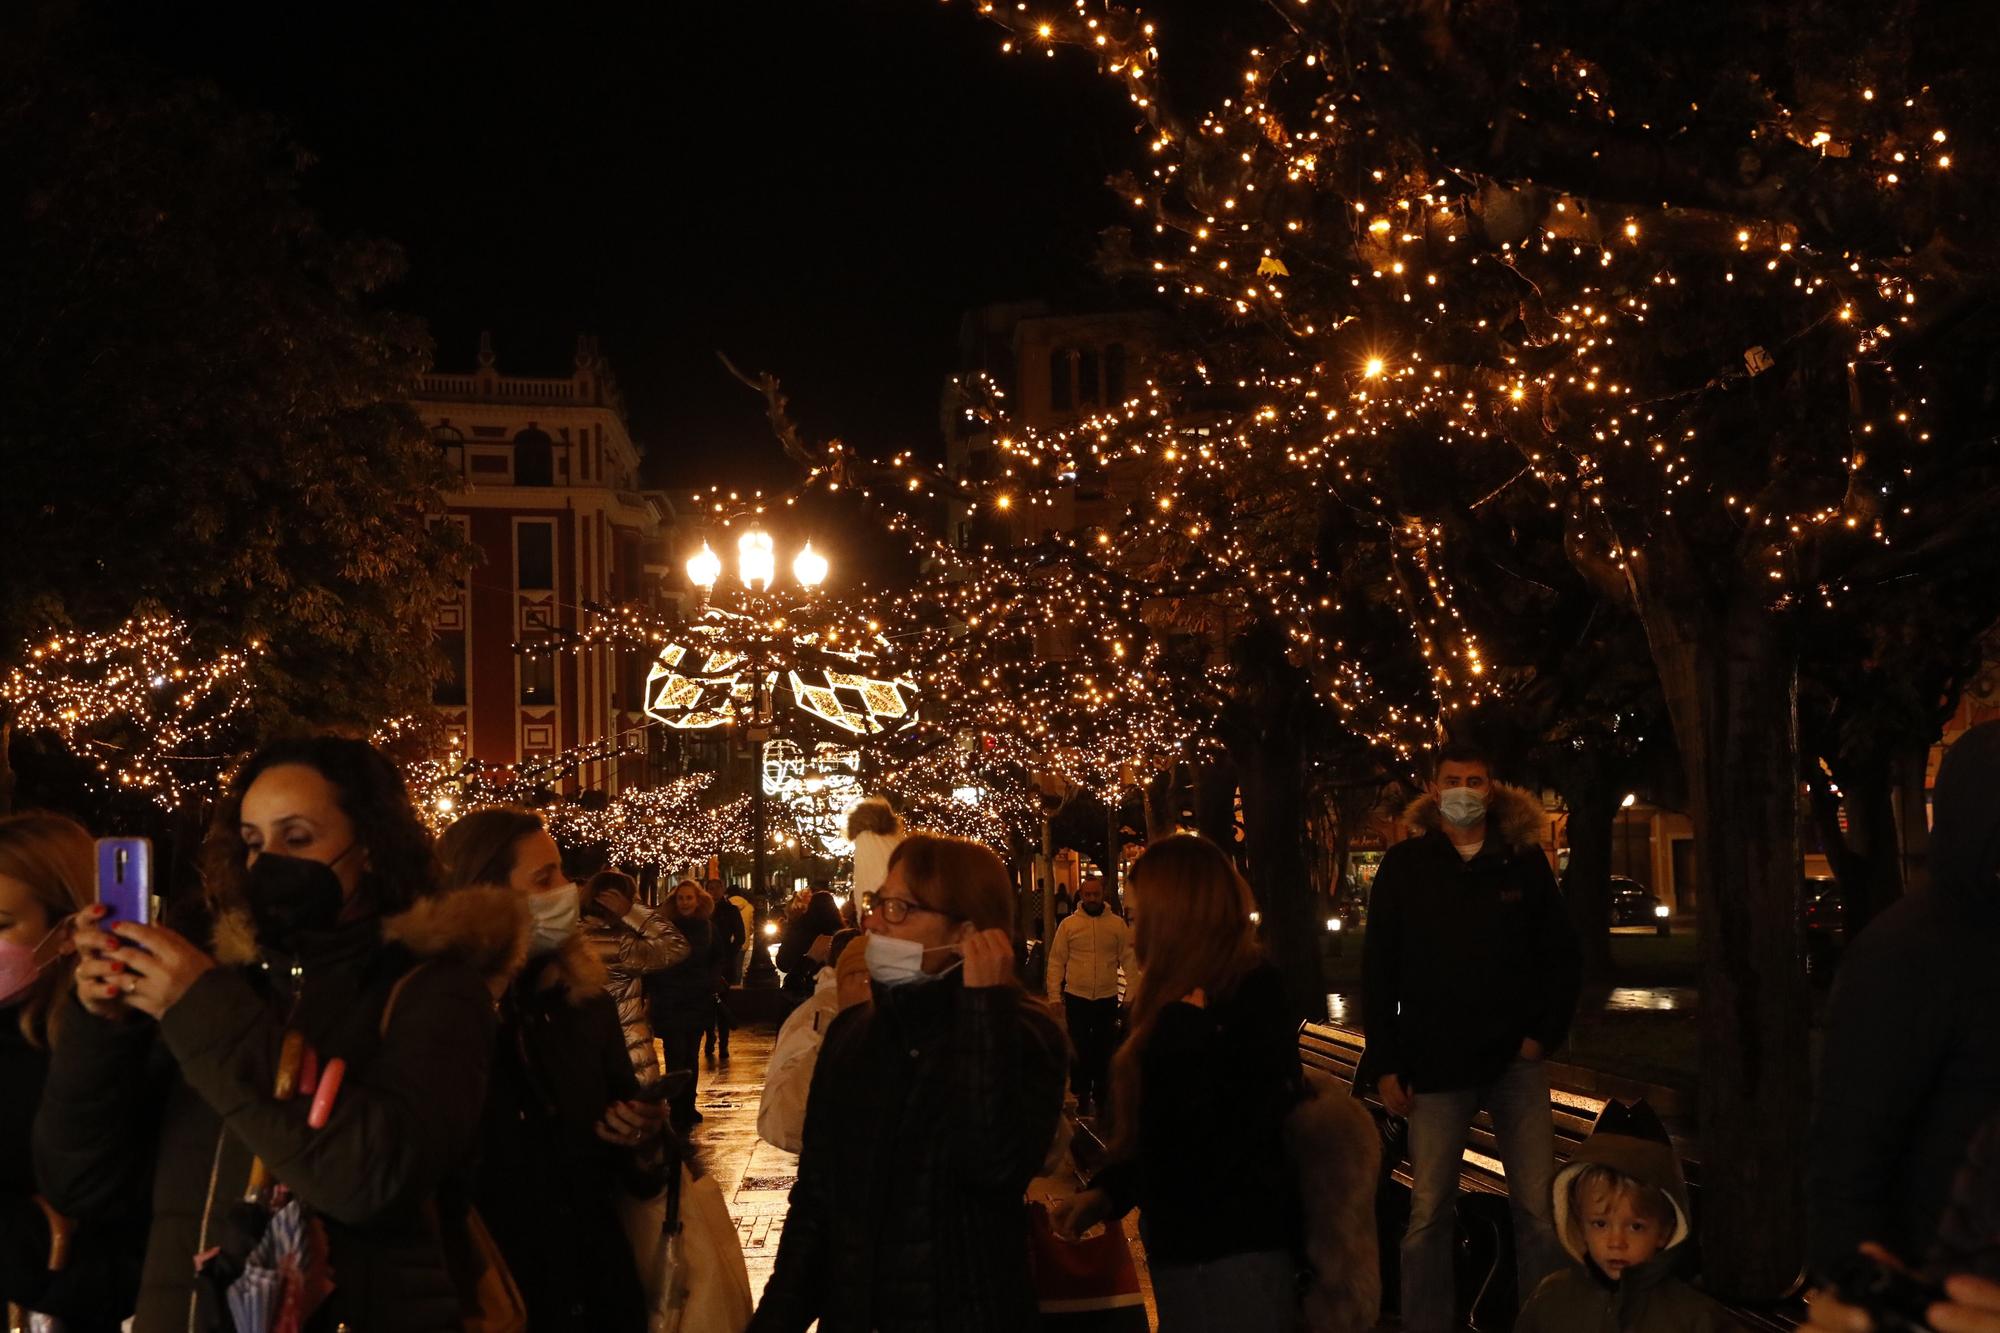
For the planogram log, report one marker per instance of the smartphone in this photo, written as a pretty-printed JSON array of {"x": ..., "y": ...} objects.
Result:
[{"x": 125, "y": 879}]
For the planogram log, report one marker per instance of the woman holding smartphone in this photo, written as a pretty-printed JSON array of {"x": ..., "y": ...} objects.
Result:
[
  {"x": 565, "y": 1132},
  {"x": 326, "y": 1044}
]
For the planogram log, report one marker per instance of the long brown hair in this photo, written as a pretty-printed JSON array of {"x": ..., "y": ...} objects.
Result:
[
  {"x": 479, "y": 847},
  {"x": 55, "y": 858},
  {"x": 957, "y": 876},
  {"x": 704, "y": 906},
  {"x": 1193, "y": 932}
]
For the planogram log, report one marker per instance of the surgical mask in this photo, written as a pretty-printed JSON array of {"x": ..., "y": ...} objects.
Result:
[
  {"x": 1094, "y": 909},
  {"x": 894, "y": 962},
  {"x": 1462, "y": 806},
  {"x": 293, "y": 896},
  {"x": 19, "y": 968},
  {"x": 552, "y": 917}
]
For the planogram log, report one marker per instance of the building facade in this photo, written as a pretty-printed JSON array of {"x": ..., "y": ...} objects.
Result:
[{"x": 549, "y": 495}]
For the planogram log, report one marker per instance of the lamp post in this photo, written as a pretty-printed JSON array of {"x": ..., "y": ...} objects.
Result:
[{"x": 756, "y": 571}]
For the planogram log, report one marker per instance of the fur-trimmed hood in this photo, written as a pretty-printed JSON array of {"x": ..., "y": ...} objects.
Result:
[
  {"x": 1334, "y": 1139},
  {"x": 1512, "y": 814},
  {"x": 578, "y": 969},
  {"x": 485, "y": 928}
]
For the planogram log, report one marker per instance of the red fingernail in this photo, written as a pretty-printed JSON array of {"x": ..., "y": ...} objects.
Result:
[{"x": 117, "y": 966}]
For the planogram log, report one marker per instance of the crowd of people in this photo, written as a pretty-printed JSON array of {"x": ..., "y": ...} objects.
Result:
[{"x": 372, "y": 1080}]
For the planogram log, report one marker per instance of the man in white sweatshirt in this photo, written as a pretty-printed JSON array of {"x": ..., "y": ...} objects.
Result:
[{"x": 1091, "y": 946}]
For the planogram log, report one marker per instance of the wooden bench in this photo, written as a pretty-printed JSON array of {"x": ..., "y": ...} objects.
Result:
[{"x": 1486, "y": 1247}]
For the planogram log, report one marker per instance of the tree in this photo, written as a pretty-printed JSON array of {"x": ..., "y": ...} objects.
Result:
[
  {"x": 206, "y": 413},
  {"x": 1686, "y": 274}
]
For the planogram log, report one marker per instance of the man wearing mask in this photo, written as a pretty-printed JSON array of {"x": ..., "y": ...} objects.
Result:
[
  {"x": 1470, "y": 974},
  {"x": 1092, "y": 946},
  {"x": 729, "y": 928}
]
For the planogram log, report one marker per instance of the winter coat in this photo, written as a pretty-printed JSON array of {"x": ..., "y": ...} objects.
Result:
[
  {"x": 1465, "y": 959},
  {"x": 781, "y": 1109},
  {"x": 682, "y": 997},
  {"x": 1209, "y": 1175},
  {"x": 1087, "y": 956},
  {"x": 183, "y": 1105},
  {"x": 1649, "y": 1297},
  {"x": 1910, "y": 1068},
  {"x": 1969, "y": 1234},
  {"x": 97, "y": 1286},
  {"x": 726, "y": 935},
  {"x": 930, "y": 1112},
  {"x": 548, "y": 1185},
  {"x": 631, "y": 949},
  {"x": 821, "y": 917},
  {"x": 871, "y": 860}
]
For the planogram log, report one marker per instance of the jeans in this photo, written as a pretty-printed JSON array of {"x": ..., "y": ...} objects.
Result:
[
  {"x": 1093, "y": 1030},
  {"x": 1257, "y": 1292},
  {"x": 1440, "y": 1123}
]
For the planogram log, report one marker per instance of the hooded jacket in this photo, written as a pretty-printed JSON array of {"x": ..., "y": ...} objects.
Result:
[
  {"x": 1648, "y": 1297},
  {"x": 548, "y": 1186},
  {"x": 182, "y": 1106},
  {"x": 1911, "y": 1063},
  {"x": 1465, "y": 959},
  {"x": 630, "y": 949},
  {"x": 929, "y": 1113}
]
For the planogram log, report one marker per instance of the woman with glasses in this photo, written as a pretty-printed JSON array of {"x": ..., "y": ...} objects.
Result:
[{"x": 930, "y": 1112}]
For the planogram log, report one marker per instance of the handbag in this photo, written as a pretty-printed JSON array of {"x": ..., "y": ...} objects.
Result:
[
  {"x": 488, "y": 1299},
  {"x": 696, "y": 1278},
  {"x": 1090, "y": 1283}
]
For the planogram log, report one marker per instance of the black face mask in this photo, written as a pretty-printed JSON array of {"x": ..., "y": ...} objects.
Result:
[
  {"x": 1094, "y": 909},
  {"x": 292, "y": 897}
]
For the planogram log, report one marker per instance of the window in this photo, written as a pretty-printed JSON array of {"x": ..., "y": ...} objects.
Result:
[
  {"x": 1114, "y": 373},
  {"x": 1062, "y": 393},
  {"x": 449, "y": 688},
  {"x": 1086, "y": 376},
  {"x": 535, "y": 556},
  {"x": 534, "y": 459},
  {"x": 494, "y": 465},
  {"x": 633, "y": 668},
  {"x": 538, "y": 677}
]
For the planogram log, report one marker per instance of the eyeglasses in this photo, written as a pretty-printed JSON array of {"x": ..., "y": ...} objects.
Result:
[{"x": 893, "y": 910}]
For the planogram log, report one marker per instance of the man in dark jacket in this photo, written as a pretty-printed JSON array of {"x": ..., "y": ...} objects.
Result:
[
  {"x": 1911, "y": 1065},
  {"x": 727, "y": 936},
  {"x": 1469, "y": 981}
]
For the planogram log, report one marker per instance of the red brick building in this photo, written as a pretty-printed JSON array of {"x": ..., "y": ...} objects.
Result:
[{"x": 550, "y": 496}]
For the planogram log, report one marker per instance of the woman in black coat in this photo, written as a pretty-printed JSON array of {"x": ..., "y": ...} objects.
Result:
[
  {"x": 1211, "y": 1045},
  {"x": 930, "y": 1111},
  {"x": 682, "y": 998},
  {"x": 803, "y": 950},
  {"x": 86, "y": 1277},
  {"x": 564, "y": 1133}
]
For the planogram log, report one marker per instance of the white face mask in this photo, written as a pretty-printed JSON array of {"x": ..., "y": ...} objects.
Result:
[
  {"x": 1462, "y": 806},
  {"x": 552, "y": 913},
  {"x": 894, "y": 962}
]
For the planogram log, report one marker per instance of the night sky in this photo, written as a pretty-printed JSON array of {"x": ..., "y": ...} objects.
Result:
[{"x": 817, "y": 187}]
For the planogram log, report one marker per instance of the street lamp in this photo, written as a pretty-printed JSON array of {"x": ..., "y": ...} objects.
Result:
[{"x": 756, "y": 570}]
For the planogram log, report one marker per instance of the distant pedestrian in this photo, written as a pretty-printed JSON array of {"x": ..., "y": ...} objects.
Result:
[
  {"x": 930, "y": 1111},
  {"x": 1621, "y": 1211},
  {"x": 1911, "y": 1063},
  {"x": 633, "y": 942},
  {"x": 565, "y": 1132},
  {"x": 85, "y": 1277},
  {"x": 874, "y": 829},
  {"x": 1202, "y": 1087},
  {"x": 1091, "y": 955},
  {"x": 733, "y": 926},
  {"x": 806, "y": 944},
  {"x": 1470, "y": 973},
  {"x": 682, "y": 998}
]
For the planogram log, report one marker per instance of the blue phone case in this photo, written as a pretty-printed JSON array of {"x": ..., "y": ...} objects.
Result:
[{"x": 125, "y": 879}]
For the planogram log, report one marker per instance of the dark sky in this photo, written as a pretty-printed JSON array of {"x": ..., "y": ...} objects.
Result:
[{"x": 818, "y": 187}]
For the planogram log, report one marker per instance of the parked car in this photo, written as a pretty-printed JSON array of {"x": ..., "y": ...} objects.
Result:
[
  {"x": 1632, "y": 904},
  {"x": 1824, "y": 911}
]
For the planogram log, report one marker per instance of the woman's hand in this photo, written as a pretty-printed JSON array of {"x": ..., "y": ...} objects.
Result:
[
  {"x": 629, "y": 1124},
  {"x": 100, "y": 974},
  {"x": 1974, "y": 1306},
  {"x": 820, "y": 949},
  {"x": 613, "y": 903},
  {"x": 989, "y": 958},
  {"x": 154, "y": 975},
  {"x": 1078, "y": 1213}
]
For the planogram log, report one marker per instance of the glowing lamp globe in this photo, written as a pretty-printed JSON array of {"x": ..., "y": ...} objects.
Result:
[
  {"x": 704, "y": 568},
  {"x": 756, "y": 561},
  {"x": 810, "y": 567}
]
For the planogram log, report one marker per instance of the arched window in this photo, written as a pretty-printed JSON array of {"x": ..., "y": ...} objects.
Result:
[
  {"x": 1062, "y": 388},
  {"x": 1114, "y": 373},
  {"x": 1086, "y": 377},
  {"x": 534, "y": 459}
]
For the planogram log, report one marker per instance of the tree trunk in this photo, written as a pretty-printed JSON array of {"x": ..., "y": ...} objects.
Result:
[
  {"x": 1874, "y": 862},
  {"x": 1913, "y": 814},
  {"x": 6, "y": 766},
  {"x": 1272, "y": 772},
  {"x": 1730, "y": 677},
  {"x": 1593, "y": 817},
  {"x": 1215, "y": 804}
]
